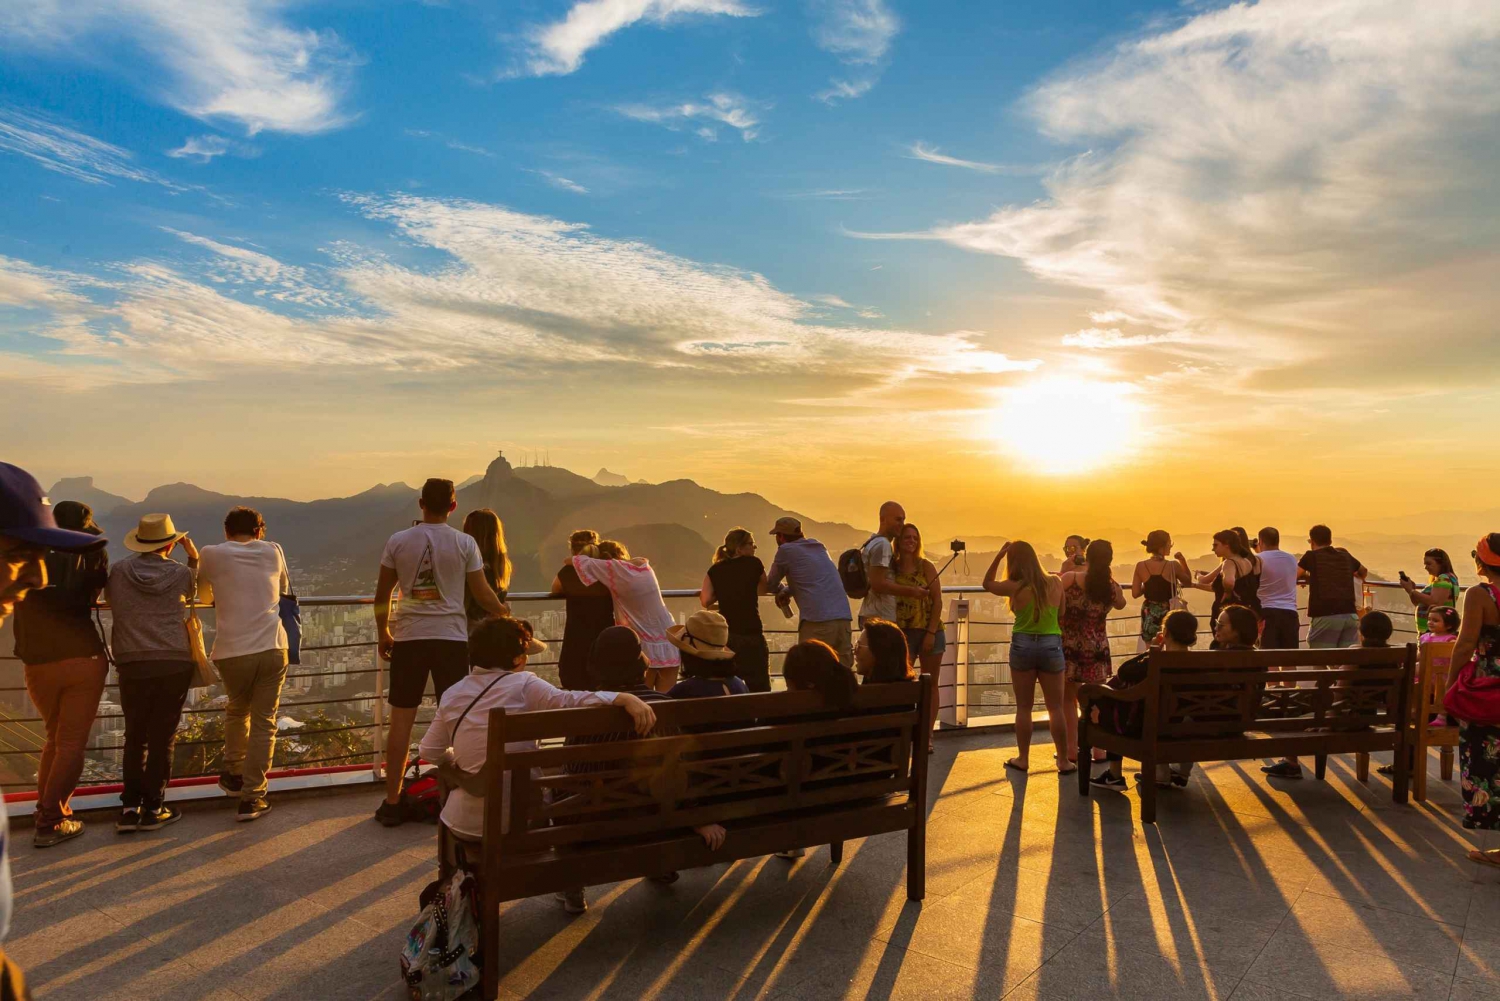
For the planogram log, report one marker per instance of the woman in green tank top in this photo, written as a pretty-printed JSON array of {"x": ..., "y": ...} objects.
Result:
[{"x": 1036, "y": 655}]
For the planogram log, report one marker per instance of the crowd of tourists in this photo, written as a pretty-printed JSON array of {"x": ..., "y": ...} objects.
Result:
[{"x": 452, "y": 633}]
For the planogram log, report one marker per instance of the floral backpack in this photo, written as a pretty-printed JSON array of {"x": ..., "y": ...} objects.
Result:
[{"x": 444, "y": 943}]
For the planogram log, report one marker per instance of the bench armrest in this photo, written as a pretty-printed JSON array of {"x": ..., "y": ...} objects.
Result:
[{"x": 1135, "y": 693}]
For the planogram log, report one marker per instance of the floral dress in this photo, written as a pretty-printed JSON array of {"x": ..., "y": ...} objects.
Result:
[
  {"x": 1479, "y": 746},
  {"x": 1085, "y": 638}
]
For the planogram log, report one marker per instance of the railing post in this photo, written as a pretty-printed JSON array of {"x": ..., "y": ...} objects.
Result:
[
  {"x": 377, "y": 756},
  {"x": 953, "y": 677}
]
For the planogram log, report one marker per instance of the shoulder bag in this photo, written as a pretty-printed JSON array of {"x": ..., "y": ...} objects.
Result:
[
  {"x": 1472, "y": 698},
  {"x": 290, "y": 611},
  {"x": 204, "y": 674},
  {"x": 470, "y": 782}
]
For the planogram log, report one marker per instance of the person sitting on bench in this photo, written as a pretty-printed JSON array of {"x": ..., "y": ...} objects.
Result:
[{"x": 1179, "y": 631}]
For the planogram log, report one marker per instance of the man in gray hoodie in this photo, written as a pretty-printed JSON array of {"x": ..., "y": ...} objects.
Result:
[{"x": 148, "y": 596}]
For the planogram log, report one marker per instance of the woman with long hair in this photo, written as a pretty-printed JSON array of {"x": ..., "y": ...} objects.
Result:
[
  {"x": 486, "y": 529},
  {"x": 880, "y": 658},
  {"x": 589, "y": 608},
  {"x": 1236, "y": 580},
  {"x": 812, "y": 666},
  {"x": 1442, "y": 587},
  {"x": 1156, "y": 580},
  {"x": 920, "y": 619},
  {"x": 1036, "y": 653},
  {"x": 735, "y": 581},
  {"x": 1090, "y": 595},
  {"x": 638, "y": 604}
]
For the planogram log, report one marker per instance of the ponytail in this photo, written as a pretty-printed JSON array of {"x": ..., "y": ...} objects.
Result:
[{"x": 733, "y": 540}]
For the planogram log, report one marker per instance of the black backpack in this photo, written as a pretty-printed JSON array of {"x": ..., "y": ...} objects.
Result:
[{"x": 852, "y": 571}]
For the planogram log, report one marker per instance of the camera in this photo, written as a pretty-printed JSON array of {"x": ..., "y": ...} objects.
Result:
[{"x": 957, "y": 545}]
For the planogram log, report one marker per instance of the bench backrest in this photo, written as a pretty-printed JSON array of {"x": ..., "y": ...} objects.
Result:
[
  {"x": 1219, "y": 692},
  {"x": 749, "y": 755},
  {"x": 1433, "y": 663}
]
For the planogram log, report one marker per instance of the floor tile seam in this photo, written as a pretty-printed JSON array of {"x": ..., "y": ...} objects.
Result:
[
  {"x": 1267, "y": 944},
  {"x": 1355, "y": 955},
  {"x": 1071, "y": 935}
]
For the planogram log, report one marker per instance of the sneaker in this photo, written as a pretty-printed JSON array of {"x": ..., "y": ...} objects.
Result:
[
  {"x": 665, "y": 879},
  {"x": 1283, "y": 770},
  {"x": 390, "y": 814},
  {"x": 1179, "y": 780},
  {"x": 1387, "y": 769},
  {"x": 231, "y": 784},
  {"x": 129, "y": 822},
  {"x": 573, "y": 901},
  {"x": 155, "y": 820},
  {"x": 250, "y": 809},
  {"x": 65, "y": 829},
  {"x": 793, "y": 853},
  {"x": 1109, "y": 780}
]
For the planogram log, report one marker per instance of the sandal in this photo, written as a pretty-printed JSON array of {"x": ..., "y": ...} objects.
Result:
[
  {"x": 1015, "y": 763},
  {"x": 1065, "y": 771},
  {"x": 1387, "y": 769},
  {"x": 1487, "y": 858}
]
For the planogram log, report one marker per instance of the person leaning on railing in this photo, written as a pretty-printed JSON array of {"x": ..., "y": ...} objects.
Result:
[
  {"x": 1442, "y": 587},
  {"x": 66, "y": 668},
  {"x": 735, "y": 582},
  {"x": 589, "y": 609},
  {"x": 813, "y": 580}
]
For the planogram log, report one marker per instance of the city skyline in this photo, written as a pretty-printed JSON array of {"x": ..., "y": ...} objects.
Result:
[{"x": 1014, "y": 266}]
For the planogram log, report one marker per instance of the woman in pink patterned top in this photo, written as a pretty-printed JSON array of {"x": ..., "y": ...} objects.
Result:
[
  {"x": 638, "y": 606},
  {"x": 1088, "y": 597}
]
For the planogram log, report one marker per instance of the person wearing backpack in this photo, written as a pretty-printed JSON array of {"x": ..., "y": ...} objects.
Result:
[{"x": 876, "y": 558}]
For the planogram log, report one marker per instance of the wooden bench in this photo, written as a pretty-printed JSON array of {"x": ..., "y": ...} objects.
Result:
[
  {"x": 1226, "y": 705},
  {"x": 772, "y": 769}
]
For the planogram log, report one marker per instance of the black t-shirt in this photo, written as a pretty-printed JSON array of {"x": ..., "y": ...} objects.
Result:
[
  {"x": 1330, "y": 583},
  {"x": 736, "y": 584}
]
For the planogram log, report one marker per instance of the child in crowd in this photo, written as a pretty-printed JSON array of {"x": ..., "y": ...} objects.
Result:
[{"x": 1442, "y": 627}]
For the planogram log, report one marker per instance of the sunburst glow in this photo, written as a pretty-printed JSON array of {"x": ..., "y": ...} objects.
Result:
[{"x": 1060, "y": 426}]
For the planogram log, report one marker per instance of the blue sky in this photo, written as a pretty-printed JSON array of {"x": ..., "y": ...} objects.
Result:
[{"x": 666, "y": 234}]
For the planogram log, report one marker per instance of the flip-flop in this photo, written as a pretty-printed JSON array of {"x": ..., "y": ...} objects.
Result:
[
  {"x": 1064, "y": 771},
  {"x": 1484, "y": 857},
  {"x": 1011, "y": 763}
]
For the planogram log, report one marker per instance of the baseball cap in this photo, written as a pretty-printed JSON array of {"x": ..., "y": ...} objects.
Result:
[
  {"x": 786, "y": 526},
  {"x": 26, "y": 514}
]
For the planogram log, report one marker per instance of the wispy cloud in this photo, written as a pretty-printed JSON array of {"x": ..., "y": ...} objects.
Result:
[
  {"x": 832, "y": 300},
  {"x": 462, "y": 147},
  {"x": 65, "y": 150},
  {"x": 1097, "y": 339},
  {"x": 559, "y": 182},
  {"x": 205, "y": 148},
  {"x": 234, "y": 60},
  {"x": 529, "y": 291},
  {"x": 859, "y": 33},
  {"x": 833, "y": 194},
  {"x": 728, "y": 109},
  {"x": 558, "y": 48}
]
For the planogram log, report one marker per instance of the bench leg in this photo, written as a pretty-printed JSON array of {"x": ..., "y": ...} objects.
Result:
[
  {"x": 489, "y": 938},
  {"x": 1320, "y": 766},
  {"x": 836, "y": 852},
  {"x": 1446, "y": 764},
  {"x": 1148, "y": 790},
  {"x": 1419, "y": 771},
  {"x": 916, "y": 862},
  {"x": 1361, "y": 766},
  {"x": 1402, "y": 778},
  {"x": 1085, "y": 756}
]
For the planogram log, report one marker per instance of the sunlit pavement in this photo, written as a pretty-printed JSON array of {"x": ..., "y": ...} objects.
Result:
[{"x": 1244, "y": 890}]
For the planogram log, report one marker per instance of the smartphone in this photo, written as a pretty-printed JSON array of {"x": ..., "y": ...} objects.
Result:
[
  {"x": 957, "y": 545},
  {"x": 1402, "y": 575}
]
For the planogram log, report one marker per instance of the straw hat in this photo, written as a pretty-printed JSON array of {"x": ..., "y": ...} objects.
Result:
[
  {"x": 155, "y": 531},
  {"x": 705, "y": 634}
]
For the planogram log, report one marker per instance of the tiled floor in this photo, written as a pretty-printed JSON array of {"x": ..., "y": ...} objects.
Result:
[{"x": 1244, "y": 890}]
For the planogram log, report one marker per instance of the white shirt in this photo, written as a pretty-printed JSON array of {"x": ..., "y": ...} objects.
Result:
[
  {"x": 245, "y": 581},
  {"x": 515, "y": 692},
  {"x": 638, "y": 604},
  {"x": 1278, "y": 580},
  {"x": 431, "y": 562},
  {"x": 877, "y": 553}
]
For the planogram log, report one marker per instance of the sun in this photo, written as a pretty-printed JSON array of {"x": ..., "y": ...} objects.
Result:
[{"x": 1060, "y": 426}]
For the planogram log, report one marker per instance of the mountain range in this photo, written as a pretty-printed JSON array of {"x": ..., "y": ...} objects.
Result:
[{"x": 334, "y": 545}]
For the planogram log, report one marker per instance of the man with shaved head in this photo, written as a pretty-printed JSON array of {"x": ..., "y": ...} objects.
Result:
[{"x": 879, "y": 555}]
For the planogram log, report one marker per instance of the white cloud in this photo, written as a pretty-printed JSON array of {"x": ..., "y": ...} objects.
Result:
[
  {"x": 462, "y": 147},
  {"x": 235, "y": 60},
  {"x": 1260, "y": 175},
  {"x": 922, "y": 151},
  {"x": 560, "y": 182},
  {"x": 728, "y": 109},
  {"x": 1097, "y": 339},
  {"x": 201, "y": 148},
  {"x": 559, "y": 48},
  {"x": 526, "y": 291},
  {"x": 68, "y": 151},
  {"x": 832, "y": 300},
  {"x": 859, "y": 33}
]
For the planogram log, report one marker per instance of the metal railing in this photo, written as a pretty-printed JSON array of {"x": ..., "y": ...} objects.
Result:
[{"x": 975, "y": 682}]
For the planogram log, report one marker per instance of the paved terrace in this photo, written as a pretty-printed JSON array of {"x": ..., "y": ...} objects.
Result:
[{"x": 1244, "y": 890}]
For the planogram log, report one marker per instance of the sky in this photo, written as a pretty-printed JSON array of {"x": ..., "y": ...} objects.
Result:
[{"x": 1022, "y": 266}]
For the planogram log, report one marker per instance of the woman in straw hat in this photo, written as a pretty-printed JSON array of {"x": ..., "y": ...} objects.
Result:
[
  {"x": 707, "y": 661},
  {"x": 148, "y": 597}
]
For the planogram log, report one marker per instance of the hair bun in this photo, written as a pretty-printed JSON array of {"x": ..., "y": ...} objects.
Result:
[{"x": 1145, "y": 543}]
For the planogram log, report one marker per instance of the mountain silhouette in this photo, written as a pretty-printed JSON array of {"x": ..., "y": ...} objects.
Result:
[
  {"x": 81, "y": 488},
  {"x": 334, "y": 545}
]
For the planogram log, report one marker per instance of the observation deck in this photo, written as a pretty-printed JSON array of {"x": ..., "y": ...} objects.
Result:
[{"x": 1244, "y": 888}]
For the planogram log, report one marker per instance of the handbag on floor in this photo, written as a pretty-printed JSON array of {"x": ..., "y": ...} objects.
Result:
[{"x": 443, "y": 945}]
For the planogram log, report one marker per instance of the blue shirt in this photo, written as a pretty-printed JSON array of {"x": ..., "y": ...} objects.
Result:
[
  {"x": 814, "y": 580},
  {"x": 707, "y": 688}
]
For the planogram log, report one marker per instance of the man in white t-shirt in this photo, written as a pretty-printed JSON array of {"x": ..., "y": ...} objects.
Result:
[
  {"x": 1278, "y": 593},
  {"x": 245, "y": 577},
  {"x": 880, "y": 600},
  {"x": 433, "y": 563}
]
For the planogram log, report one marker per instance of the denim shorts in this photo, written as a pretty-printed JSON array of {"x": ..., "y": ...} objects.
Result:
[
  {"x": 1036, "y": 652},
  {"x": 916, "y": 637}
]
